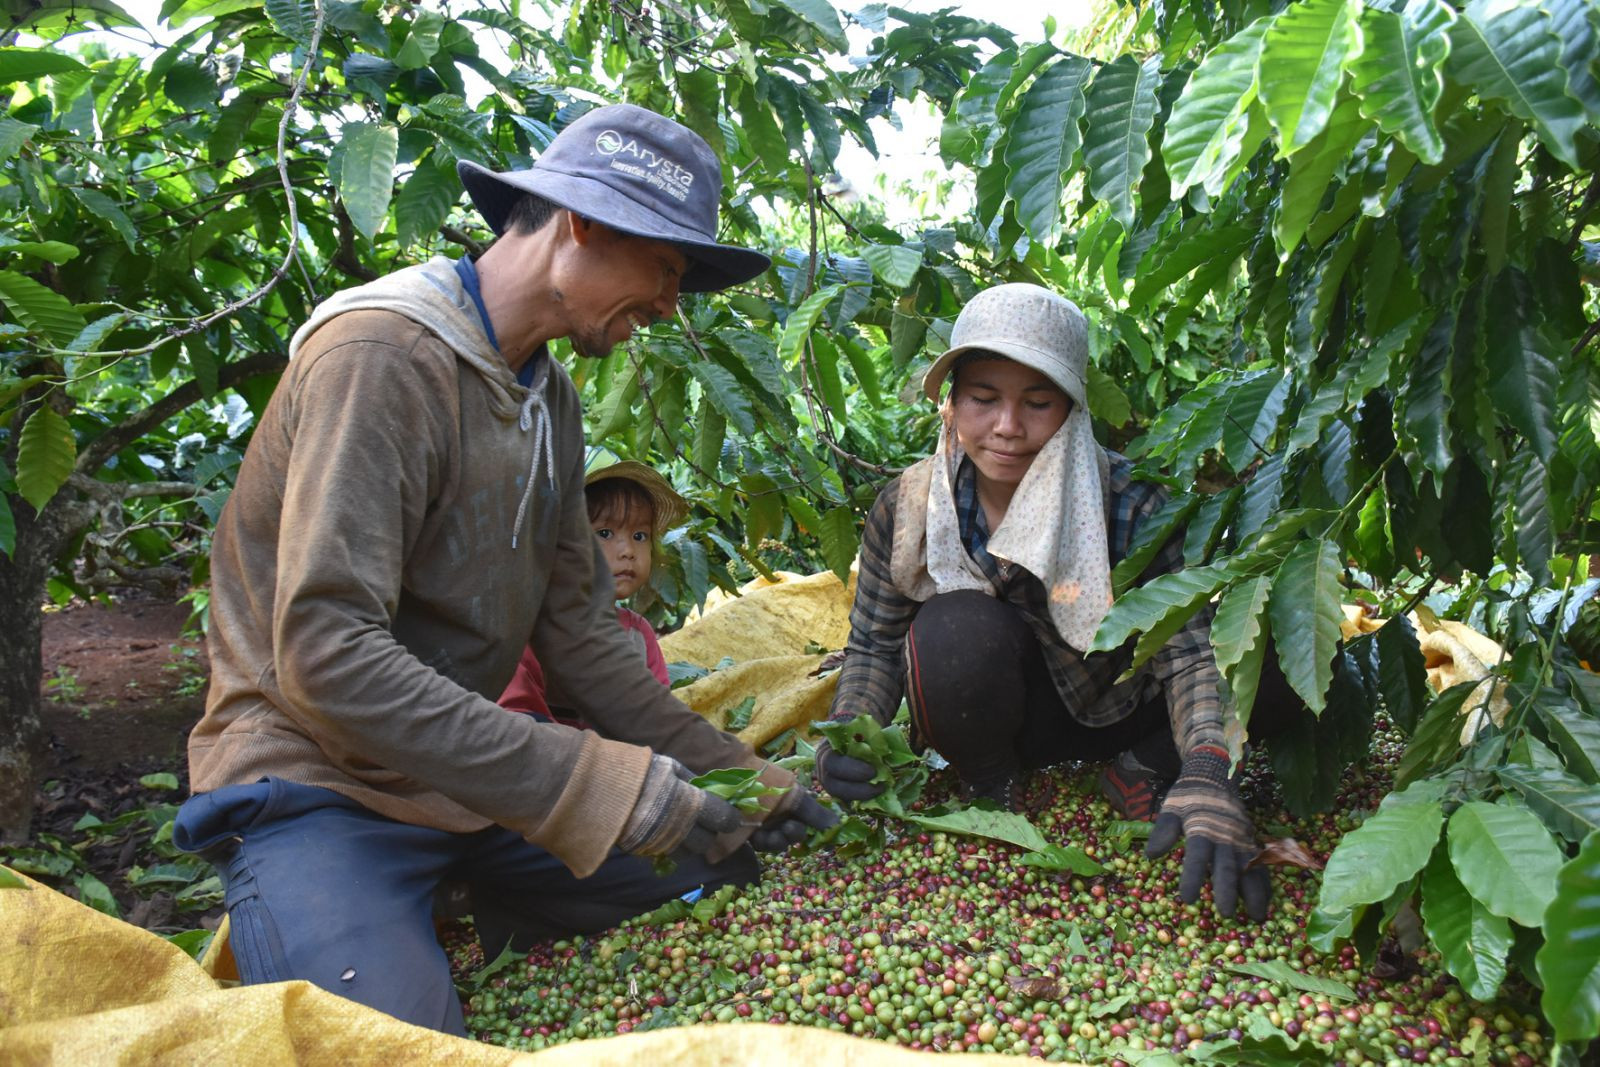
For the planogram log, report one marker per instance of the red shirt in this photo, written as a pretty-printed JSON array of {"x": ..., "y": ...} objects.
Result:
[{"x": 526, "y": 691}]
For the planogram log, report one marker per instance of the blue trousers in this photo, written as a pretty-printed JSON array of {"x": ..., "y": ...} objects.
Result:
[{"x": 320, "y": 888}]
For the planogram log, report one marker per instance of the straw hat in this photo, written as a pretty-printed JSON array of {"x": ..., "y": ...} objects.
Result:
[{"x": 670, "y": 508}]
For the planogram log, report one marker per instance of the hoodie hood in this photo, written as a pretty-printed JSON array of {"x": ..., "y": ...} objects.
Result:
[{"x": 431, "y": 295}]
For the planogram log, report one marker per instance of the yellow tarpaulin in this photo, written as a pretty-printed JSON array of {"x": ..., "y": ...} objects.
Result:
[
  {"x": 1452, "y": 653},
  {"x": 78, "y": 987},
  {"x": 766, "y": 632}
]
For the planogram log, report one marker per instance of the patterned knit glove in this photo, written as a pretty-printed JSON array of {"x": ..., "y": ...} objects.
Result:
[
  {"x": 1203, "y": 807},
  {"x": 671, "y": 814}
]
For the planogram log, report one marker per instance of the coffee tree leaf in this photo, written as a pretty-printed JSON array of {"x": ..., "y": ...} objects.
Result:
[
  {"x": 1061, "y": 858},
  {"x": 1510, "y": 53},
  {"x": 1569, "y": 961},
  {"x": 45, "y": 455},
  {"x": 1280, "y": 972},
  {"x": 1576, "y": 734},
  {"x": 1043, "y": 139},
  {"x": 1239, "y": 637},
  {"x": 1397, "y": 76},
  {"x": 1392, "y": 845},
  {"x": 1472, "y": 940},
  {"x": 1402, "y": 677},
  {"x": 840, "y": 541},
  {"x": 1567, "y": 806},
  {"x": 1206, "y": 130},
  {"x": 1505, "y": 858},
  {"x": 366, "y": 173},
  {"x": 45, "y": 312},
  {"x": 1304, "y": 611},
  {"x": 1120, "y": 110},
  {"x": 1303, "y": 57},
  {"x": 1007, "y": 826},
  {"x": 1151, "y": 535},
  {"x": 1167, "y": 600}
]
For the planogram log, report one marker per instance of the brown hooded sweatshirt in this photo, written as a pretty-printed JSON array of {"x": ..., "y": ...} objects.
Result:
[{"x": 407, "y": 516}]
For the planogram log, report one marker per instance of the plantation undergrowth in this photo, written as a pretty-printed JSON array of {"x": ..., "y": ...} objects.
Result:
[{"x": 947, "y": 943}]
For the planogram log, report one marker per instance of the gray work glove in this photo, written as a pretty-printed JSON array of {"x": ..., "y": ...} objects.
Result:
[
  {"x": 672, "y": 815},
  {"x": 797, "y": 814},
  {"x": 845, "y": 777},
  {"x": 1204, "y": 808}
]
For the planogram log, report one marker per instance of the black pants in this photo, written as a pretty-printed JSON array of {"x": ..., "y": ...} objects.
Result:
[{"x": 981, "y": 696}]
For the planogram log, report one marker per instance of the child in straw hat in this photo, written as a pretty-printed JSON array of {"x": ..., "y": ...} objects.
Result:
[{"x": 630, "y": 507}]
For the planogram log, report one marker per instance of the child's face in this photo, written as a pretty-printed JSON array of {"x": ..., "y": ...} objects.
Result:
[{"x": 625, "y": 540}]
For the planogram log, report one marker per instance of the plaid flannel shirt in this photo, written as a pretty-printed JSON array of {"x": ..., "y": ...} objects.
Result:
[{"x": 872, "y": 678}]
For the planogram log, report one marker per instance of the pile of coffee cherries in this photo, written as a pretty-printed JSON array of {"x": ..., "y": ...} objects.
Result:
[{"x": 945, "y": 943}]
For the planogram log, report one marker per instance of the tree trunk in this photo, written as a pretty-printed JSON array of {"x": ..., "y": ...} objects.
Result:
[{"x": 22, "y": 589}]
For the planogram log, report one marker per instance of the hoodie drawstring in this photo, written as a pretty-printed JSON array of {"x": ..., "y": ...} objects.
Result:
[{"x": 543, "y": 446}]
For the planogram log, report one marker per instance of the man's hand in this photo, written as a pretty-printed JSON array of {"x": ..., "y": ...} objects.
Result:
[
  {"x": 844, "y": 777},
  {"x": 673, "y": 815},
  {"x": 1203, "y": 807},
  {"x": 796, "y": 815}
]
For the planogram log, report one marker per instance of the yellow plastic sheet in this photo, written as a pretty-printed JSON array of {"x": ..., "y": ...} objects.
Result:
[
  {"x": 1452, "y": 653},
  {"x": 78, "y": 987},
  {"x": 766, "y": 631}
]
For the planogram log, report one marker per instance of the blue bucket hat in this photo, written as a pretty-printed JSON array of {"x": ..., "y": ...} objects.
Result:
[{"x": 637, "y": 172}]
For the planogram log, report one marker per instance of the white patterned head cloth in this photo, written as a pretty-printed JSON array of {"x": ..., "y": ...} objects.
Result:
[{"x": 1055, "y": 525}]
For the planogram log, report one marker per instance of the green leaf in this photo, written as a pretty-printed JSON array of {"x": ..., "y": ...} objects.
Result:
[
  {"x": 1239, "y": 636},
  {"x": 93, "y": 892},
  {"x": 424, "y": 201},
  {"x": 726, "y": 393},
  {"x": 1472, "y": 940},
  {"x": 1437, "y": 738},
  {"x": 1532, "y": 526},
  {"x": 422, "y": 40},
  {"x": 1005, "y": 826},
  {"x": 1428, "y": 396},
  {"x": 108, "y": 211},
  {"x": 1107, "y": 401},
  {"x": 366, "y": 175},
  {"x": 1168, "y": 599},
  {"x": 1568, "y": 806},
  {"x": 1280, "y": 972},
  {"x": 1206, "y": 129},
  {"x": 1222, "y": 244},
  {"x": 895, "y": 265},
  {"x": 1152, "y": 533},
  {"x": 161, "y": 780},
  {"x": 57, "y": 252},
  {"x": 1576, "y": 734},
  {"x": 840, "y": 542},
  {"x": 1043, "y": 138},
  {"x": 8, "y": 528},
  {"x": 44, "y": 456},
  {"x": 1510, "y": 52},
  {"x": 10, "y": 879},
  {"x": 825, "y": 376},
  {"x": 1305, "y": 618},
  {"x": 1569, "y": 961},
  {"x": 906, "y": 334},
  {"x": 740, "y": 786},
  {"x": 1571, "y": 22},
  {"x": 293, "y": 18},
  {"x": 1061, "y": 858},
  {"x": 1302, "y": 63},
  {"x": 802, "y": 320},
  {"x": 1393, "y": 844},
  {"x": 13, "y": 135},
  {"x": 43, "y": 311},
  {"x": 1398, "y": 75},
  {"x": 1402, "y": 677},
  {"x": 822, "y": 15},
  {"x": 1523, "y": 373},
  {"x": 1506, "y": 859},
  {"x": 26, "y": 64},
  {"x": 1120, "y": 110},
  {"x": 1311, "y": 170}
]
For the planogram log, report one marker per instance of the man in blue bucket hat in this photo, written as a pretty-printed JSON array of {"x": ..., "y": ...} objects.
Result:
[{"x": 409, "y": 515}]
